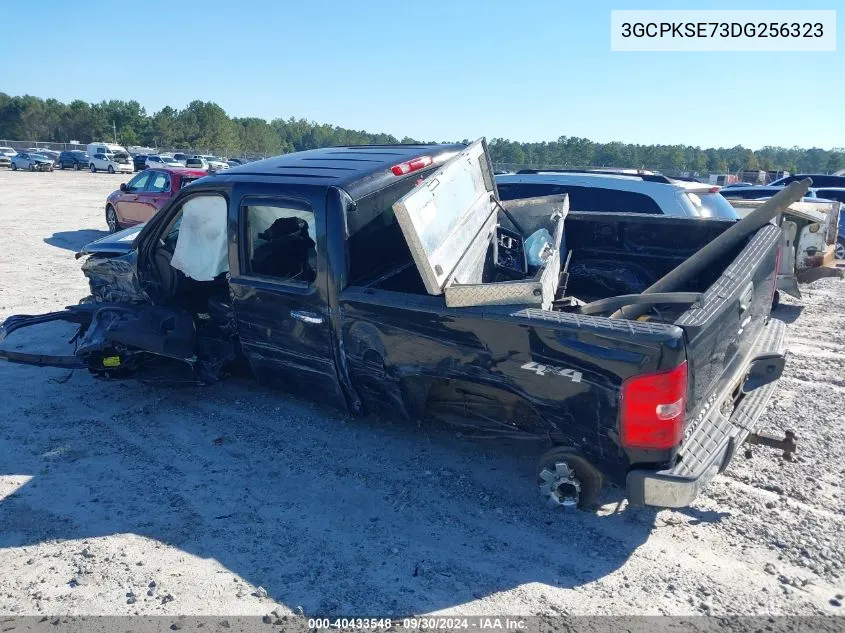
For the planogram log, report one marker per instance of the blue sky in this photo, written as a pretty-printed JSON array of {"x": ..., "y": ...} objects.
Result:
[{"x": 434, "y": 70}]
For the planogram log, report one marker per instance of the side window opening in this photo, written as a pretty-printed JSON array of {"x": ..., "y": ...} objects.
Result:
[
  {"x": 508, "y": 190},
  {"x": 594, "y": 198},
  {"x": 380, "y": 246},
  {"x": 281, "y": 242},
  {"x": 191, "y": 258},
  {"x": 139, "y": 182}
]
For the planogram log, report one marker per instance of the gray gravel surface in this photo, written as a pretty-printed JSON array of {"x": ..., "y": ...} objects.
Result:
[{"x": 120, "y": 498}]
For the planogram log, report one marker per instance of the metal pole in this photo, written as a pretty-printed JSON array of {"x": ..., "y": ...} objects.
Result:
[{"x": 731, "y": 238}]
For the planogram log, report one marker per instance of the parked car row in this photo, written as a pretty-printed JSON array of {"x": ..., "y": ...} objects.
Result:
[
  {"x": 178, "y": 159},
  {"x": 110, "y": 158}
]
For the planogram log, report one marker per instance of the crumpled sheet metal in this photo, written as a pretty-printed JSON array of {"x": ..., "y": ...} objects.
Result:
[{"x": 114, "y": 279}]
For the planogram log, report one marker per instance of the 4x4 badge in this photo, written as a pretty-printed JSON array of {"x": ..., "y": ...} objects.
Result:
[{"x": 543, "y": 370}]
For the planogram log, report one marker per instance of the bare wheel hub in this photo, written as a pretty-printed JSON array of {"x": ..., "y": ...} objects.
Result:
[{"x": 559, "y": 486}]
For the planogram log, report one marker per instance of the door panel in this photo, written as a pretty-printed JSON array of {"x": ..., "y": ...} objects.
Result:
[{"x": 279, "y": 289}]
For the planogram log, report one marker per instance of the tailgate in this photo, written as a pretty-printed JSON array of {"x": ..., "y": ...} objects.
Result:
[{"x": 723, "y": 328}]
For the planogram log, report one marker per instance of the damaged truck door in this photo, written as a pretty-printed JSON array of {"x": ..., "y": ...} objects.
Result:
[
  {"x": 279, "y": 284},
  {"x": 161, "y": 295}
]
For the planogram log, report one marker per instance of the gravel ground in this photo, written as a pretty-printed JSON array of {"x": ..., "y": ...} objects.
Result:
[{"x": 123, "y": 498}]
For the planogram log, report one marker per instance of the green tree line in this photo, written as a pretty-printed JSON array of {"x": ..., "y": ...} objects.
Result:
[
  {"x": 206, "y": 126},
  {"x": 201, "y": 125},
  {"x": 580, "y": 152}
]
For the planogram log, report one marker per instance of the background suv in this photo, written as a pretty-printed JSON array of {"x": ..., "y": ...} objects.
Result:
[
  {"x": 155, "y": 160},
  {"x": 757, "y": 192},
  {"x": 619, "y": 192},
  {"x": 72, "y": 159},
  {"x": 819, "y": 180},
  {"x": 118, "y": 162},
  {"x": 214, "y": 162},
  {"x": 139, "y": 162},
  {"x": 196, "y": 162},
  {"x": 6, "y": 154}
]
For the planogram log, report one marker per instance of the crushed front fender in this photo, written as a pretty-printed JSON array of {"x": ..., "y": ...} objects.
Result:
[{"x": 114, "y": 278}]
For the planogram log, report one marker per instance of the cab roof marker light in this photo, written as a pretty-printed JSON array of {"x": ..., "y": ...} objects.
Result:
[{"x": 415, "y": 164}]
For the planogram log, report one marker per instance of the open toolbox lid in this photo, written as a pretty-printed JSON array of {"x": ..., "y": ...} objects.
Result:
[
  {"x": 449, "y": 212},
  {"x": 450, "y": 220}
]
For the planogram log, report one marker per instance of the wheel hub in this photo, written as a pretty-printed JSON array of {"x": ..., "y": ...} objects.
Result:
[{"x": 559, "y": 486}]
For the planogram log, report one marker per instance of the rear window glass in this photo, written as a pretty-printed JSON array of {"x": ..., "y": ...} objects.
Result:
[
  {"x": 508, "y": 190},
  {"x": 828, "y": 181},
  {"x": 711, "y": 205},
  {"x": 747, "y": 194},
  {"x": 588, "y": 198},
  {"x": 281, "y": 243},
  {"x": 186, "y": 181},
  {"x": 839, "y": 196}
]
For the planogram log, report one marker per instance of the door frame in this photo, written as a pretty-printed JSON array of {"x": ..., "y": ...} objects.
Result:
[{"x": 315, "y": 294}]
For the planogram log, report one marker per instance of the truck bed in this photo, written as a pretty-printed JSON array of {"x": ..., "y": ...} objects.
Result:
[{"x": 483, "y": 350}]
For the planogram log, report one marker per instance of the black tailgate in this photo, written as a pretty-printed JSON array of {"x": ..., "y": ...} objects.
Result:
[{"x": 724, "y": 326}]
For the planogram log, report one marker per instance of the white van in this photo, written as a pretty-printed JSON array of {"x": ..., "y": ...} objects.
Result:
[{"x": 109, "y": 157}]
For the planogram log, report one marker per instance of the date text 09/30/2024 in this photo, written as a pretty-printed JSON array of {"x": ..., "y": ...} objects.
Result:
[{"x": 479, "y": 623}]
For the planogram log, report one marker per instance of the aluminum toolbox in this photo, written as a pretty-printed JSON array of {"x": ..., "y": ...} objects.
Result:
[{"x": 450, "y": 220}]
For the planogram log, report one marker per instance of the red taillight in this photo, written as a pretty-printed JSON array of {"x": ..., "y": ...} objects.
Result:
[
  {"x": 714, "y": 189},
  {"x": 412, "y": 165},
  {"x": 652, "y": 408}
]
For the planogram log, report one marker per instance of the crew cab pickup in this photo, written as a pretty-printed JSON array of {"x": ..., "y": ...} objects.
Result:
[{"x": 392, "y": 280}]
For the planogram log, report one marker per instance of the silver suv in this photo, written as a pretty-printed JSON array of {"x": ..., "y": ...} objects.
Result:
[{"x": 619, "y": 192}]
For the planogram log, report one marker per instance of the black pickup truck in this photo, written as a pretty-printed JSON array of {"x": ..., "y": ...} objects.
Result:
[{"x": 392, "y": 280}]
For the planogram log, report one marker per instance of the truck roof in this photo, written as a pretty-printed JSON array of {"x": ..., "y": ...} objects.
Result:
[{"x": 358, "y": 169}]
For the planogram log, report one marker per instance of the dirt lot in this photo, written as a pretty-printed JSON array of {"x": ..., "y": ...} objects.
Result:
[{"x": 118, "y": 497}]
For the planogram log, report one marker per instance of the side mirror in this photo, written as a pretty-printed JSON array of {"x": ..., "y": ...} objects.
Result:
[{"x": 123, "y": 186}]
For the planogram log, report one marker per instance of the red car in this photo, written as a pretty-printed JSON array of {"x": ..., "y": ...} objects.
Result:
[{"x": 138, "y": 200}]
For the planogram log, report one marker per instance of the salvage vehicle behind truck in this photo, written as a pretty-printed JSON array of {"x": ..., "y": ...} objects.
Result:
[
  {"x": 392, "y": 280},
  {"x": 810, "y": 240}
]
